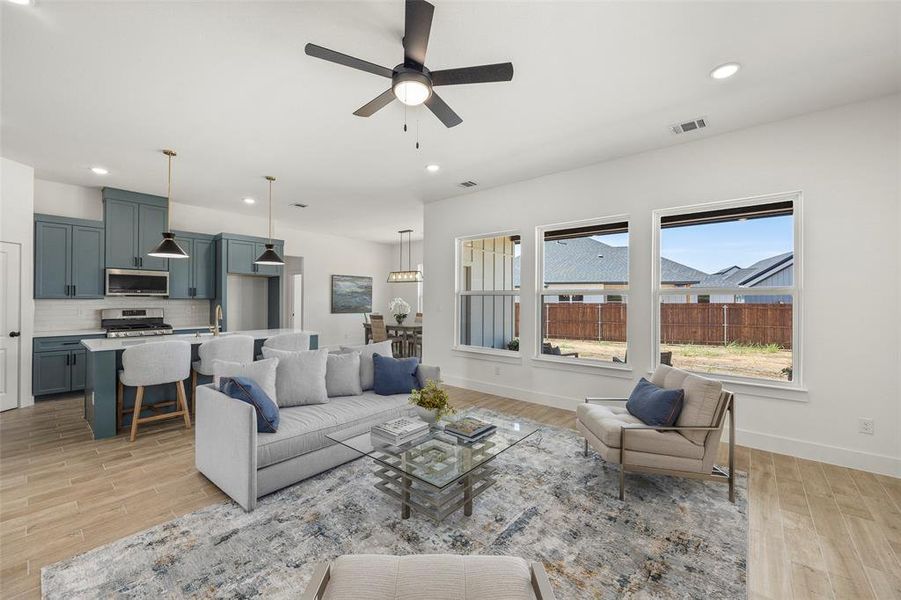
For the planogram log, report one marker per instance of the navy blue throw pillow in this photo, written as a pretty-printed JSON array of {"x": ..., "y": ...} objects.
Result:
[
  {"x": 394, "y": 375},
  {"x": 654, "y": 405},
  {"x": 247, "y": 390}
]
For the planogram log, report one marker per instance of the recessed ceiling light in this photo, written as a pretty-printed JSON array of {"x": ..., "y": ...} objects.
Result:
[
  {"x": 249, "y": 201},
  {"x": 432, "y": 168},
  {"x": 725, "y": 70},
  {"x": 99, "y": 170}
]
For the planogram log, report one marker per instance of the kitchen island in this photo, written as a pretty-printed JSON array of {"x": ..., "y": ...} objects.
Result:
[{"x": 104, "y": 361}]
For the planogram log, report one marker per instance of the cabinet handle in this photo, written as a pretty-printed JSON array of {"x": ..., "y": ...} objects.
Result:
[
  {"x": 74, "y": 359},
  {"x": 134, "y": 261},
  {"x": 68, "y": 356},
  {"x": 73, "y": 290},
  {"x": 140, "y": 261}
]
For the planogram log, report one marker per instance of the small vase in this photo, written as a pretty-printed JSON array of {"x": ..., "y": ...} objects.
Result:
[
  {"x": 400, "y": 319},
  {"x": 430, "y": 416}
]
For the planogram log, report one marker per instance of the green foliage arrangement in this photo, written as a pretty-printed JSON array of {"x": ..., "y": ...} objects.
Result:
[{"x": 432, "y": 397}]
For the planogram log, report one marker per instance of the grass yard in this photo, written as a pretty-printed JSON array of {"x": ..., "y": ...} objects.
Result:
[{"x": 748, "y": 361}]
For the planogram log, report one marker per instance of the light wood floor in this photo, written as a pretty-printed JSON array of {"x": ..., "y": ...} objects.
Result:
[{"x": 816, "y": 530}]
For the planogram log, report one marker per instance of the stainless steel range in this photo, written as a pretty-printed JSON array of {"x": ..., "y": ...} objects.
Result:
[{"x": 133, "y": 322}]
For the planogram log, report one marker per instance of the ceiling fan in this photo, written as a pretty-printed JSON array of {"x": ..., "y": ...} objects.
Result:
[{"x": 411, "y": 82}]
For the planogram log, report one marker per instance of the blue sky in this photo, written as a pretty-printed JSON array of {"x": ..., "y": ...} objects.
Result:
[{"x": 718, "y": 245}]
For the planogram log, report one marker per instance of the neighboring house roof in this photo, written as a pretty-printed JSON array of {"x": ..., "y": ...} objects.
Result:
[{"x": 586, "y": 260}]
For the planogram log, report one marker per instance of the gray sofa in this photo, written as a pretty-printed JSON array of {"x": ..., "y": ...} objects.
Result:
[{"x": 247, "y": 465}]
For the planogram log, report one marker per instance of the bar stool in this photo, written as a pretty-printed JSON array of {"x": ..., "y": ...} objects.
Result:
[
  {"x": 233, "y": 348},
  {"x": 291, "y": 342},
  {"x": 155, "y": 363}
]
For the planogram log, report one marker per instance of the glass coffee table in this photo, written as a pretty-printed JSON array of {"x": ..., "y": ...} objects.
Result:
[{"x": 435, "y": 474}]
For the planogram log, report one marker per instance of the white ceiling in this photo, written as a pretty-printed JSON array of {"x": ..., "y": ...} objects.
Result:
[{"x": 229, "y": 87}]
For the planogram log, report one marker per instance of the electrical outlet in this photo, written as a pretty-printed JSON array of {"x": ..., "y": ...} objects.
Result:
[
  {"x": 497, "y": 370},
  {"x": 865, "y": 426}
]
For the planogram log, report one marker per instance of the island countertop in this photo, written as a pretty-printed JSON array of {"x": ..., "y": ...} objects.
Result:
[{"x": 116, "y": 344}]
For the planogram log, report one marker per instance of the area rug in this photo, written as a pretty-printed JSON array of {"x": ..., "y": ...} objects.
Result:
[{"x": 671, "y": 538}]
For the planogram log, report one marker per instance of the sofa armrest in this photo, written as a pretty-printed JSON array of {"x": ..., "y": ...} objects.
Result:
[
  {"x": 226, "y": 445},
  {"x": 426, "y": 372}
]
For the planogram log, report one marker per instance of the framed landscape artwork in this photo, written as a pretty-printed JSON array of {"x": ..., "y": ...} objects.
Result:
[{"x": 351, "y": 294}]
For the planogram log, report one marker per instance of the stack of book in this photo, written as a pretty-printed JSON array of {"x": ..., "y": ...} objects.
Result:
[
  {"x": 469, "y": 429},
  {"x": 400, "y": 431}
]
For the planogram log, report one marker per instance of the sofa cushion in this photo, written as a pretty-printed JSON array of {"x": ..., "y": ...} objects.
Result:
[
  {"x": 247, "y": 390},
  {"x": 367, "y": 373},
  {"x": 394, "y": 375},
  {"x": 606, "y": 423},
  {"x": 701, "y": 401},
  {"x": 304, "y": 429},
  {"x": 261, "y": 371},
  {"x": 426, "y": 373},
  {"x": 654, "y": 405},
  {"x": 342, "y": 374},
  {"x": 300, "y": 379},
  {"x": 433, "y": 576}
]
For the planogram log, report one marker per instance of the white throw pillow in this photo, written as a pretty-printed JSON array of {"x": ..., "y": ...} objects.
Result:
[
  {"x": 261, "y": 371},
  {"x": 367, "y": 370},
  {"x": 342, "y": 375},
  {"x": 301, "y": 376}
]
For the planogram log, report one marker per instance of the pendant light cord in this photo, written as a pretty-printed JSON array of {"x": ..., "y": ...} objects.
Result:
[
  {"x": 271, "y": 179},
  {"x": 170, "y": 154}
]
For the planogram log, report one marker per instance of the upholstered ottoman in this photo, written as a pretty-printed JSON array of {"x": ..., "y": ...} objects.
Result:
[{"x": 428, "y": 576}]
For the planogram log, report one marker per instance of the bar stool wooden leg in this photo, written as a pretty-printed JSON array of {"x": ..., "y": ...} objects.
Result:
[
  {"x": 182, "y": 401},
  {"x": 120, "y": 401},
  {"x": 136, "y": 415},
  {"x": 193, "y": 391}
]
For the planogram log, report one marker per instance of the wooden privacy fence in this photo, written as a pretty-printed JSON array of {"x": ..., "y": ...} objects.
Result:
[{"x": 710, "y": 324}]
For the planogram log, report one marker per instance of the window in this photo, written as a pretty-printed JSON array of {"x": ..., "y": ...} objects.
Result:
[
  {"x": 581, "y": 264},
  {"x": 488, "y": 292},
  {"x": 727, "y": 288}
]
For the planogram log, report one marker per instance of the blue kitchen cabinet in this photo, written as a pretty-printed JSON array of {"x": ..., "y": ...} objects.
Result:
[
  {"x": 241, "y": 255},
  {"x": 68, "y": 258},
  {"x": 193, "y": 277},
  {"x": 77, "y": 370},
  {"x": 51, "y": 372},
  {"x": 134, "y": 225}
]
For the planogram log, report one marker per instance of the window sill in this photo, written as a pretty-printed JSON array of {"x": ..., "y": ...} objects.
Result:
[
  {"x": 495, "y": 354},
  {"x": 761, "y": 389},
  {"x": 581, "y": 365}
]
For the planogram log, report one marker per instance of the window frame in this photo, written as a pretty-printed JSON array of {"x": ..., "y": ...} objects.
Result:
[
  {"x": 460, "y": 293},
  {"x": 795, "y": 290},
  {"x": 540, "y": 292}
]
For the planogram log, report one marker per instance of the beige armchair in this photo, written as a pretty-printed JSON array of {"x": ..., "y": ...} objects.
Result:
[{"x": 687, "y": 449}]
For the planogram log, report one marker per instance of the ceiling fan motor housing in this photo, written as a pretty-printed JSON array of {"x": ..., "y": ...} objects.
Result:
[{"x": 406, "y": 74}]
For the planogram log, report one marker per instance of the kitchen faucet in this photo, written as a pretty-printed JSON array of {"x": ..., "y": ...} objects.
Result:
[{"x": 214, "y": 328}]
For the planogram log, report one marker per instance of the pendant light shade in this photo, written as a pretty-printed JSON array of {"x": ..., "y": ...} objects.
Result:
[
  {"x": 410, "y": 275},
  {"x": 269, "y": 255},
  {"x": 168, "y": 248}
]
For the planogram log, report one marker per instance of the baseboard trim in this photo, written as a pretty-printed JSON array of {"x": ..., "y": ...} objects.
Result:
[{"x": 844, "y": 457}]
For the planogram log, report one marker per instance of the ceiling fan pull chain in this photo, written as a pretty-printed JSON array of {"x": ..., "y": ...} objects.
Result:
[
  {"x": 417, "y": 134},
  {"x": 405, "y": 118}
]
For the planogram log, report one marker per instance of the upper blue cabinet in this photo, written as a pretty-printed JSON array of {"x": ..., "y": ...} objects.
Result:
[
  {"x": 134, "y": 224},
  {"x": 68, "y": 257},
  {"x": 193, "y": 277}
]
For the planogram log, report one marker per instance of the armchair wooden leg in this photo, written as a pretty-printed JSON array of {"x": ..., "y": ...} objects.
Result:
[
  {"x": 586, "y": 447},
  {"x": 732, "y": 450},
  {"x": 622, "y": 463},
  {"x": 622, "y": 482}
]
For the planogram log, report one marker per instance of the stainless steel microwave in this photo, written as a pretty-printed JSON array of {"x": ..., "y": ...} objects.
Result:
[{"x": 131, "y": 282}]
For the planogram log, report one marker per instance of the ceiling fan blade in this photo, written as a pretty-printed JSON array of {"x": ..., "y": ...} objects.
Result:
[
  {"x": 376, "y": 104},
  {"x": 417, "y": 26},
  {"x": 444, "y": 112},
  {"x": 480, "y": 74},
  {"x": 347, "y": 61}
]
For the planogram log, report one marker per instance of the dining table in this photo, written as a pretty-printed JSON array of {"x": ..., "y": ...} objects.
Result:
[{"x": 407, "y": 335}]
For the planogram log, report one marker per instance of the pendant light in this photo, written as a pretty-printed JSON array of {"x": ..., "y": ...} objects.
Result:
[
  {"x": 410, "y": 275},
  {"x": 168, "y": 248},
  {"x": 269, "y": 256}
]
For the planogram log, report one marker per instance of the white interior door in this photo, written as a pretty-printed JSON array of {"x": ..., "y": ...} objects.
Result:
[
  {"x": 297, "y": 301},
  {"x": 10, "y": 317}
]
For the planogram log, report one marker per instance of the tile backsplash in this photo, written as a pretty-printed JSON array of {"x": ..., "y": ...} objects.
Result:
[{"x": 68, "y": 315}]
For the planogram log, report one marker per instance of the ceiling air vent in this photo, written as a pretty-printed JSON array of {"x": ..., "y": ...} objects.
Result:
[
  {"x": 299, "y": 204},
  {"x": 699, "y": 123},
  {"x": 468, "y": 184}
]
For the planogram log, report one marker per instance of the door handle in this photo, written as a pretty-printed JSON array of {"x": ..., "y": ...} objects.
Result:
[{"x": 15, "y": 333}]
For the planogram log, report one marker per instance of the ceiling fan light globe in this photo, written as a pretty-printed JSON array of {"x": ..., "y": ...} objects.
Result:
[{"x": 412, "y": 92}]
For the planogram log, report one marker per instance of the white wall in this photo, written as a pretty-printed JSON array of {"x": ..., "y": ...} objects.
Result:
[
  {"x": 247, "y": 301},
  {"x": 324, "y": 255},
  {"x": 17, "y": 226},
  {"x": 846, "y": 162}
]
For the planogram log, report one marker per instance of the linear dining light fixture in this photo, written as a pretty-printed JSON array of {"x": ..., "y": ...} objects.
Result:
[
  {"x": 269, "y": 255},
  {"x": 168, "y": 248},
  {"x": 410, "y": 275}
]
